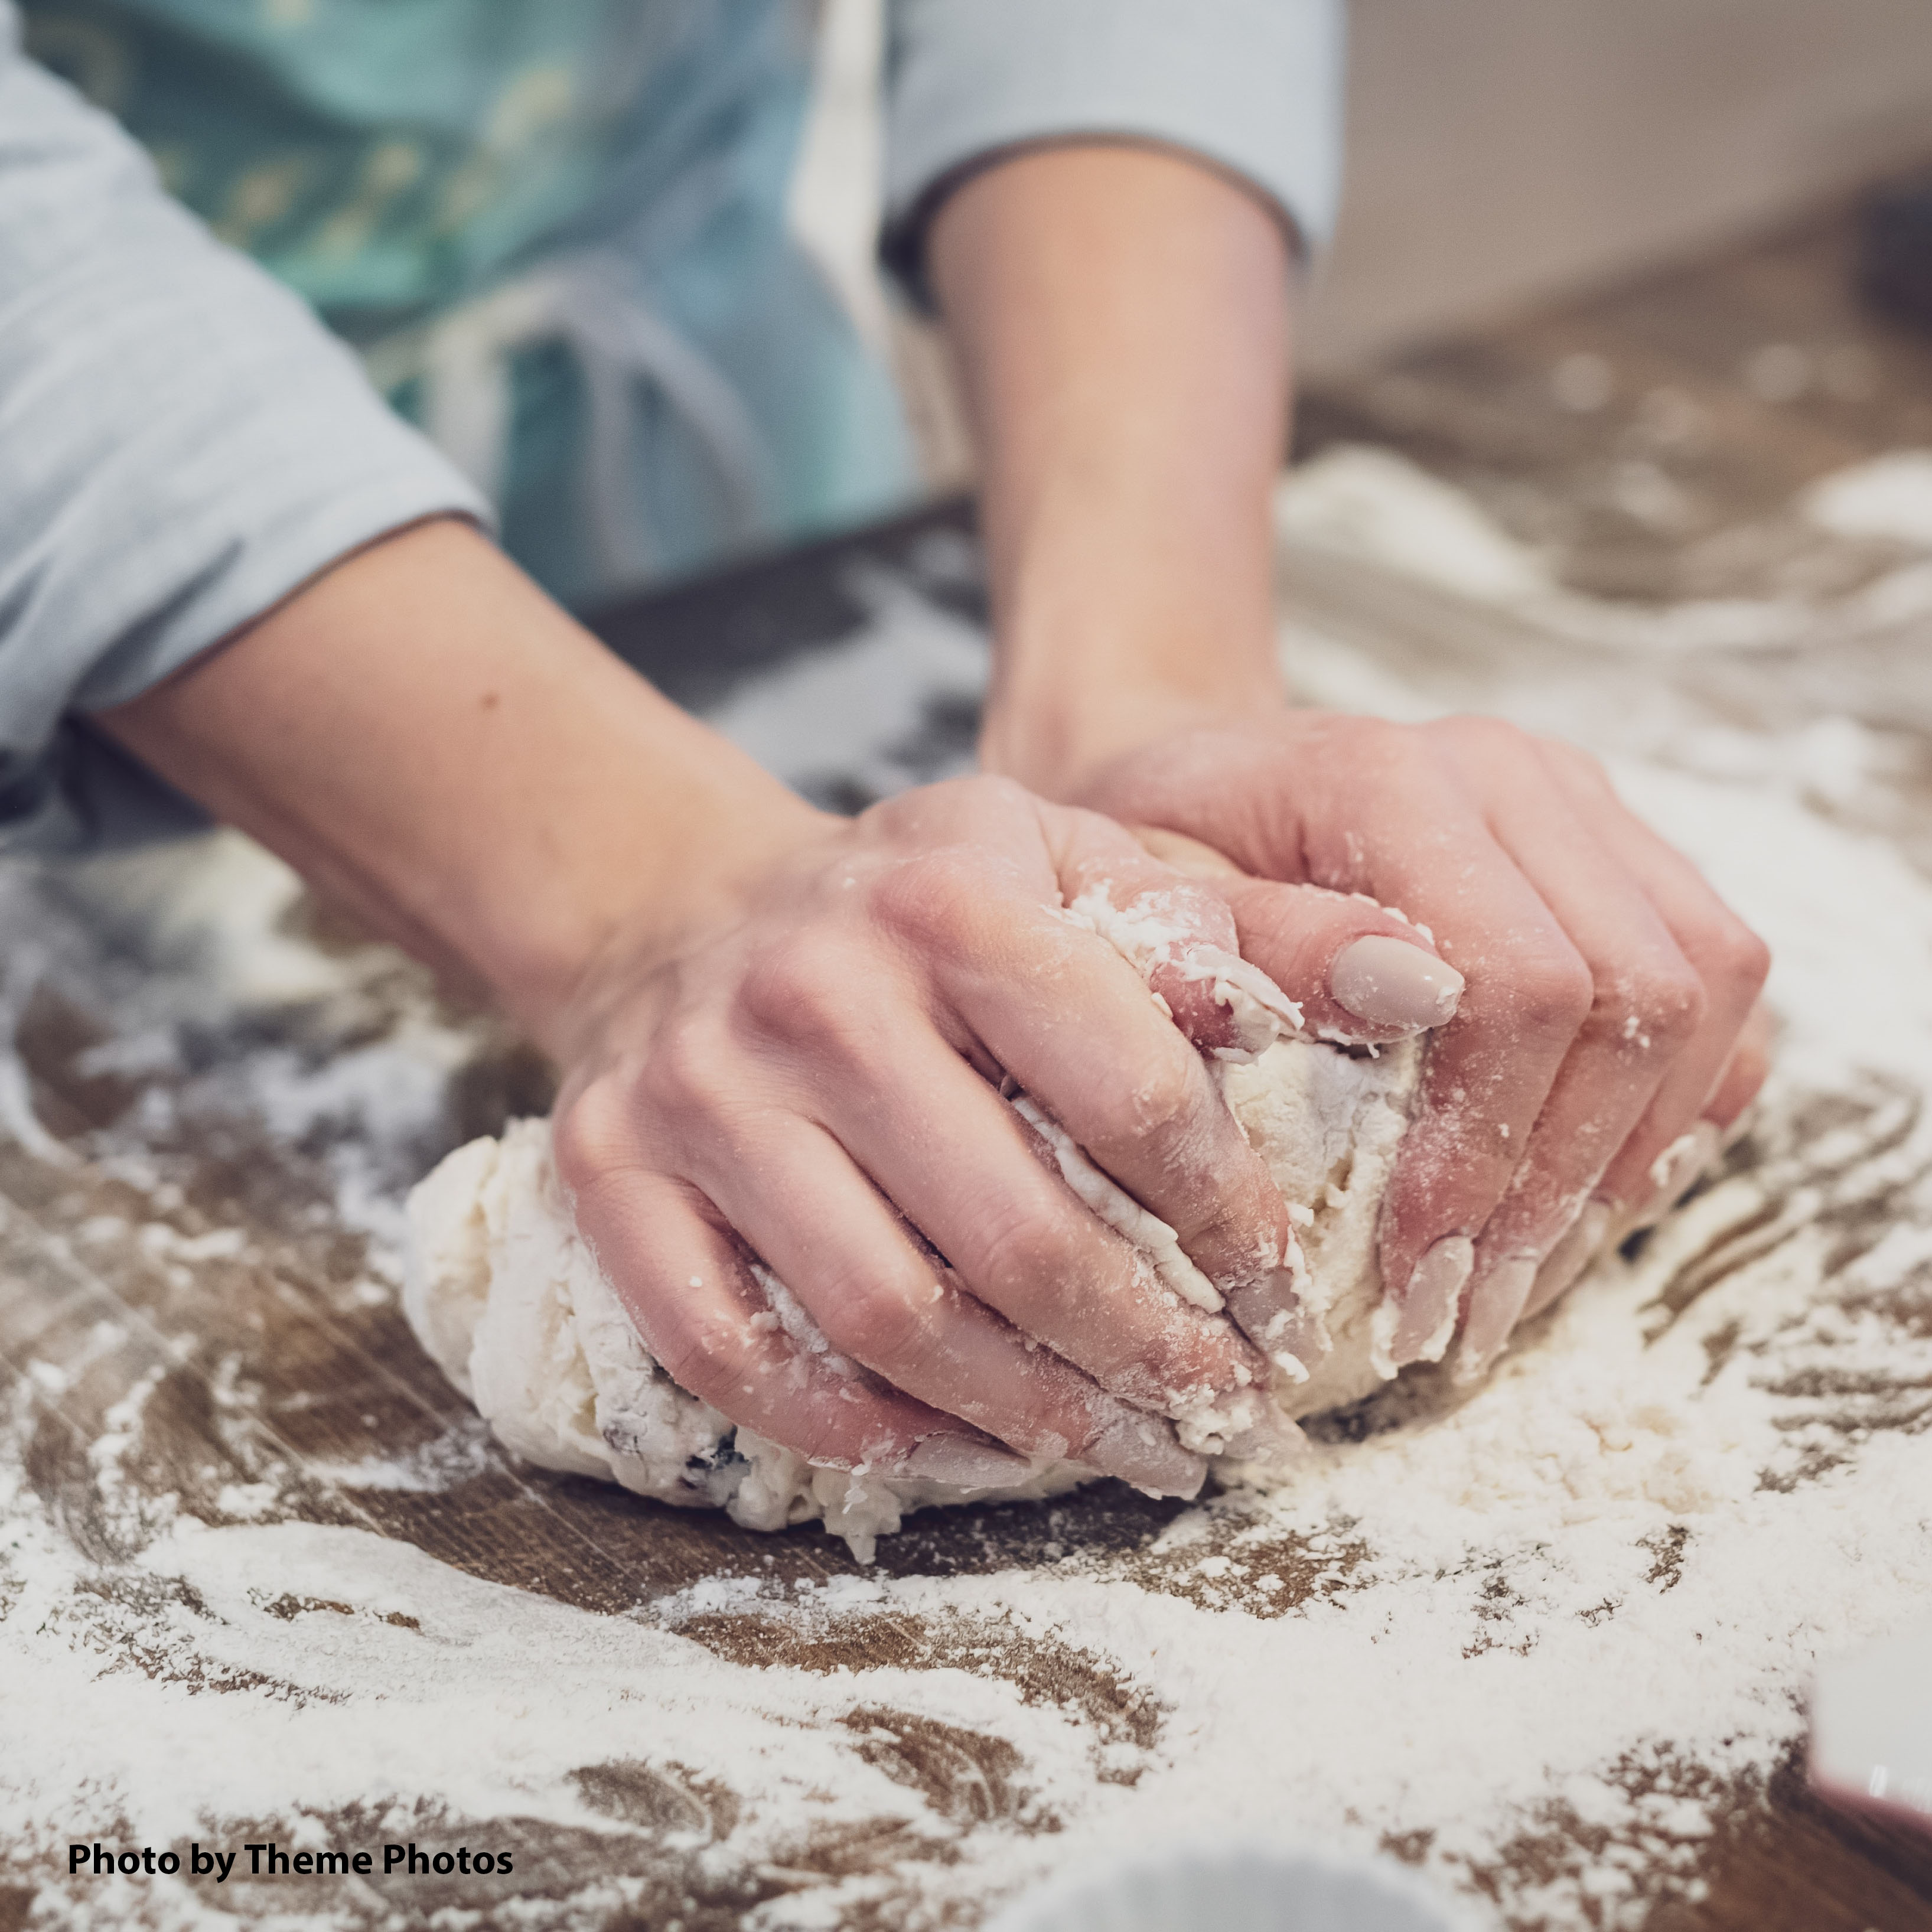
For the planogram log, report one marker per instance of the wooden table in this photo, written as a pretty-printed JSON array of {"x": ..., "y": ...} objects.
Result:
[{"x": 1674, "y": 480}]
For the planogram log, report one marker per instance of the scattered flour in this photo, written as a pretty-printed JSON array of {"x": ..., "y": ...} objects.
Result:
[
  {"x": 1890, "y": 497},
  {"x": 1548, "y": 1639}
]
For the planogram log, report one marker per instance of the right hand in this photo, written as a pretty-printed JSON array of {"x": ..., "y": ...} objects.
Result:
[{"x": 810, "y": 1082}]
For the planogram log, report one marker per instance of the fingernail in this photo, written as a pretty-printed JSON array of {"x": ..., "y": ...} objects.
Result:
[
  {"x": 1427, "y": 1318},
  {"x": 1583, "y": 1243},
  {"x": 1271, "y": 1442},
  {"x": 1677, "y": 1168},
  {"x": 1141, "y": 1450},
  {"x": 1270, "y": 1314},
  {"x": 1390, "y": 982},
  {"x": 963, "y": 1463},
  {"x": 1259, "y": 1012},
  {"x": 1496, "y": 1304}
]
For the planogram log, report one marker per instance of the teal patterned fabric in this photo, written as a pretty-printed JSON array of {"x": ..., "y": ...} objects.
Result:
[{"x": 392, "y": 160}]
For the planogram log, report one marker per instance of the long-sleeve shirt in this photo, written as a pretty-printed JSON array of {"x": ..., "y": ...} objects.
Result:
[{"x": 184, "y": 437}]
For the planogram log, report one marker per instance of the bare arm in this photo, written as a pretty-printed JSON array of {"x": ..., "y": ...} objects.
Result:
[
  {"x": 1122, "y": 319},
  {"x": 425, "y": 736}
]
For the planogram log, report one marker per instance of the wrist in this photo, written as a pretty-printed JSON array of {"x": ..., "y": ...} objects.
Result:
[
  {"x": 1108, "y": 637},
  {"x": 565, "y": 978},
  {"x": 1056, "y": 733}
]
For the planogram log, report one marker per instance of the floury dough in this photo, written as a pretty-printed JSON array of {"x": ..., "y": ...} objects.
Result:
[{"x": 506, "y": 1296}]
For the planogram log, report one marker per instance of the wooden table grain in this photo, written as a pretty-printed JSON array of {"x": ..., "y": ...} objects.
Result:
[{"x": 1689, "y": 415}]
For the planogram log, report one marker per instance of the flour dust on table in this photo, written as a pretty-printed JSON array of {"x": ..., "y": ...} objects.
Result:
[{"x": 264, "y": 1575}]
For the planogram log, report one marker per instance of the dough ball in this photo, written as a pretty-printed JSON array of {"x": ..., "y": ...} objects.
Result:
[{"x": 507, "y": 1297}]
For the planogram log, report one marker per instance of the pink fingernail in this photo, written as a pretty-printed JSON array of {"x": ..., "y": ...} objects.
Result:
[
  {"x": 1271, "y": 1443},
  {"x": 1140, "y": 1449},
  {"x": 1496, "y": 1304},
  {"x": 1678, "y": 1169},
  {"x": 1270, "y": 1314},
  {"x": 963, "y": 1463},
  {"x": 1582, "y": 1244},
  {"x": 1390, "y": 982},
  {"x": 1427, "y": 1317}
]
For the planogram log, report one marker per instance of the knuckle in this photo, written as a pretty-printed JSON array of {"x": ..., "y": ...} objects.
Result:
[
  {"x": 1553, "y": 993},
  {"x": 1381, "y": 744},
  {"x": 994, "y": 791},
  {"x": 1019, "y": 1253},
  {"x": 1672, "y": 1004},
  {"x": 681, "y": 1076},
  {"x": 1247, "y": 1227},
  {"x": 1743, "y": 958},
  {"x": 1160, "y": 1103},
  {"x": 864, "y": 1316},
  {"x": 967, "y": 806},
  {"x": 933, "y": 899},
  {"x": 700, "y": 1351},
  {"x": 591, "y": 1135},
  {"x": 1577, "y": 762},
  {"x": 1485, "y": 738},
  {"x": 801, "y": 990},
  {"x": 687, "y": 1354}
]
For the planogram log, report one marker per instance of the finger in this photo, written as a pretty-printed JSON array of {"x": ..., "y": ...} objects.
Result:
[
  {"x": 1179, "y": 934},
  {"x": 1603, "y": 1225},
  {"x": 1693, "y": 1154},
  {"x": 1730, "y": 960},
  {"x": 1058, "y": 1009},
  {"x": 1489, "y": 1072},
  {"x": 1360, "y": 974},
  {"x": 1744, "y": 1073},
  {"x": 1648, "y": 1004},
  {"x": 1177, "y": 931},
  {"x": 1309, "y": 941},
  {"x": 1269, "y": 1313},
  {"x": 688, "y": 1286},
  {"x": 993, "y": 1197},
  {"x": 1711, "y": 1081},
  {"x": 876, "y": 1295},
  {"x": 1184, "y": 854},
  {"x": 1417, "y": 838},
  {"x": 1352, "y": 971},
  {"x": 1011, "y": 986}
]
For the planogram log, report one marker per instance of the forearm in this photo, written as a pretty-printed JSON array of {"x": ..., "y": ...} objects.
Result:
[
  {"x": 1121, "y": 320},
  {"x": 427, "y": 738}
]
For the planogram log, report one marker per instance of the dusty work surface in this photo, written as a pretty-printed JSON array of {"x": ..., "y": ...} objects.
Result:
[{"x": 263, "y": 1578}]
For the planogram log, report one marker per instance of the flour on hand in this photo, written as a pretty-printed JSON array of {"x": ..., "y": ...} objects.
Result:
[{"x": 507, "y": 1297}]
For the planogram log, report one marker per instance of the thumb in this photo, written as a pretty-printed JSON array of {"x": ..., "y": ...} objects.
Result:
[
  {"x": 1177, "y": 931},
  {"x": 1359, "y": 973},
  {"x": 1310, "y": 942}
]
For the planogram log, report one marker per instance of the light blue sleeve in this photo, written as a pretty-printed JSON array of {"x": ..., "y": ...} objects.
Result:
[
  {"x": 182, "y": 442},
  {"x": 1253, "y": 85}
]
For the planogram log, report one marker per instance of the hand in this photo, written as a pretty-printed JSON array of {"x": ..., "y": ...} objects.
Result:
[
  {"x": 810, "y": 1083},
  {"x": 1601, "y": 1045},
  {"x": 784, "y": 1031},
  {"x": 1121, "y": 320}
]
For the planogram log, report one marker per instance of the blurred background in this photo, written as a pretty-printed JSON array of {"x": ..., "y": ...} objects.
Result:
[
  {"x": 1501, "y": 155},
  {"x": 1615, "y": 413}
]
